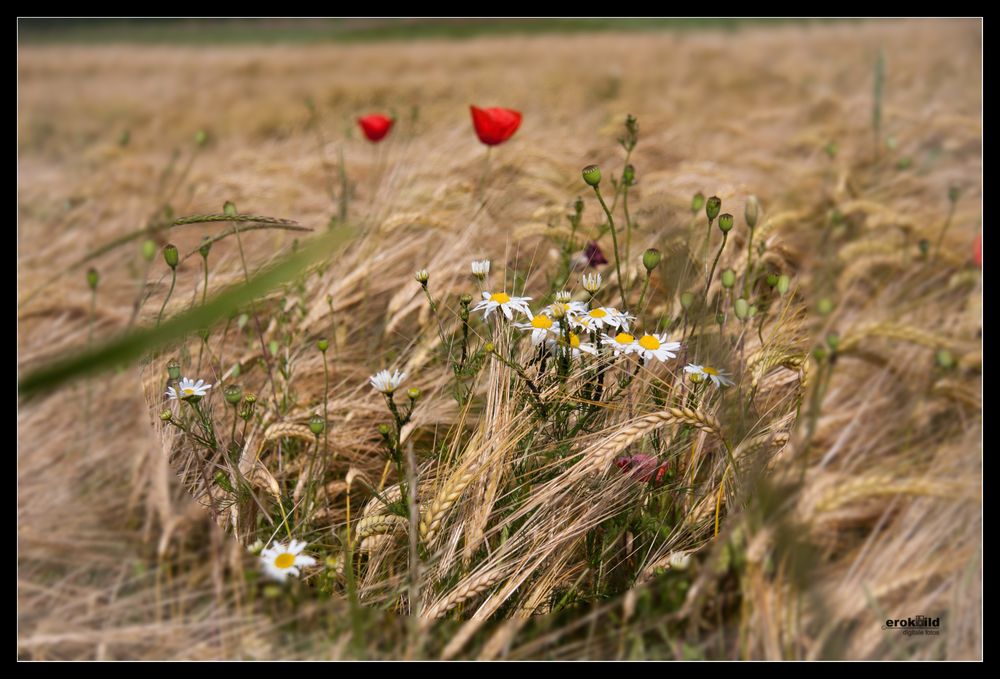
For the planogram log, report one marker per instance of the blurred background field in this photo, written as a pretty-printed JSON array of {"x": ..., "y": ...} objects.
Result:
[{"x": 116, "y": 561}]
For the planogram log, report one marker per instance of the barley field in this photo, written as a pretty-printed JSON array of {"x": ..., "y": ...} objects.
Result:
[{"x": 720, "y": 398}]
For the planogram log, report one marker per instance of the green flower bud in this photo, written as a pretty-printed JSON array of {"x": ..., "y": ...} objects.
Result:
[
  {"x": 820, "y": 353},
  {"x": 771, "y": 279},
  {"x": 752, "y": 211},
  {"x": 323, "y": 345},
  {"x": 174, "y": 370},
  {"x": 712, "y": 208},
  {"x": 728, "y": 277},
  {"x": 465, "y": 299},
  {"x": 592, "y": 175},
  {"x": 651, "y": 259},
  {"x": 233, "y": 394},
  {"x": 924, "y": 246},
  {"x": 249, "y": 402},
  {"x": 317, "y": 424},
  {"x": 697, "y": 202},
  {"x": 383, "y": 429},
  {"x": 720, "y": 318},
  {"x": 726, "y": 223},
  {"x": 273, "y": 346},
  {"x": 833, "y": 341},
  {"x": 825, "y": 306},
  {"x": 628, "y": 175},
  {"x": 93, "y": 278},
  {"x": 206, "y": 246},
  {"x": 489, "y": 348},
  {"x": 752, "y": 311},
  {"x": 413, "y": 393},
  {"x": 742, "y": 309},
  {"x": 696, "y": 378},
  {"x": 687, "y": 299},
  {"x": 578, "y": 205},
  {"x": 148, "y": 250},
  {"x": 945, "y": 359},
  {"x": 166, "y": 416},
  {"x": 422, "y": 276},
  {"x": 171, "y": 256},
  {"x": 201, "y": 137},
  {"x": 783, "y": 283},
  {"x": 229, "y": 209}
]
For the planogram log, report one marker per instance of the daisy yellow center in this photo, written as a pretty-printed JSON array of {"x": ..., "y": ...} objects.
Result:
[
  {"x": 624, "y": 338},
  {"x": 574, "y": 340},
  {"x": 649, "y": 342},
  {"x": 285, "y": 560},
  {"x": 598, "y": 313},
  {"x": 500, "y": 297},
  {"x": 541, "y": 322},
  {"x": 188, "y": 390},
  {"x": 710, "y": 371}
]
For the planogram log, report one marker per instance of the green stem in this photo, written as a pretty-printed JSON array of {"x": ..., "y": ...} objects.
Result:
[
  {"x": 748, "y": 274},
  {"x": 711, "y": 273},
  {"x": 614, "y": 240},
  {"x": 173, "y": 281}
]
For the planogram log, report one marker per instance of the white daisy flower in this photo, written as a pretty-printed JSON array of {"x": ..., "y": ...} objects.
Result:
[
  {"x": 481, "y": 269},
  {"x": 656, "y": 346},
  {"x": 387, "y": 382},
  {"x": 187, "y": 389},
  {"x": 719, "y": 378},
  {"x": 575, "y": 344},
  {"x": 568, "y": 309},
  {"x": 622, "y": 343},
  {"x": 279, "y": 561},
  {"x": 541, "y": 326},
  {"x": 591, "y": 282},
  {"x": 600, "y": 317},
  {"x": 504, "y": 302},
  {"x": 564, "y": 296}
]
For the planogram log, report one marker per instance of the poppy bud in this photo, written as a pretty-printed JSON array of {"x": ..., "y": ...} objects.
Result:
[
  {"x": 752, "y": 311},
  {"x": 495, "y": 125},
  {"x": 720, "y": 318},
  {"x": 833, "y": 341},
  {"x": 317, "y": 424},
  {"x": 92, "y": 278},
  {"x": 592, "y": 175},
  {"x": 233, "y": 394},
  {"x": 206, "y": 246},
  {"x": 148, "y": 250},
  {"x": 772, "y": 279},
  {"x": 578, "y": 205},
  {"x": 413, "y": 393},
  {"x": 201, "y": 137},
  {"x": 383, "y": 429},
  {"x": 728, "y": 277},
  {"x": 229, "y": 208},
  {"x": 651, "y": 259},
  {"x": 422, "y": 276},
  {"x": 375, "y": 127},
  {"x": 820, "y": 353},
  {"x": 783, "y": 283},
  {"x": 752, "y": 211},
  {"x": 726, "y": 223},
  {"x": 712, "y": 208},
  {"x": 174, "y": 370},
  {"x": 945, "y": 359},
  {"x": 628, "y": 175},
  {"x": 171, "y": 256},
  {"x": 825, "y": 306},
  {"x": 687, "y": 299},
  {"x": 465, "y": 299},
  {"x": 742, "y": 309},
  {"x": 323, "y": 345},
  {"x": 697, "y": 202}
]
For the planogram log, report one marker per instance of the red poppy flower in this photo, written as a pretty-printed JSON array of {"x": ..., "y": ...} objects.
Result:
[
  {"x": 495, "y": 125},
  {"x": 642, "y": 468},
  {"x": 594, "y": 255},
  {"x": 375, "y": 126}
]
